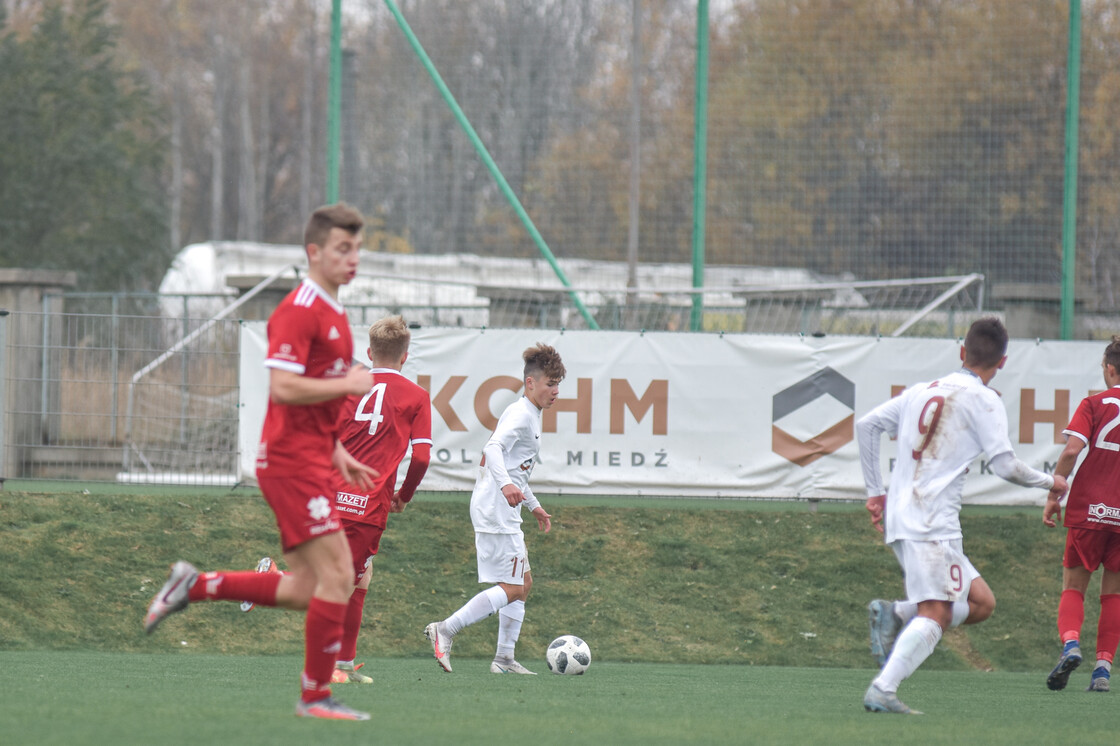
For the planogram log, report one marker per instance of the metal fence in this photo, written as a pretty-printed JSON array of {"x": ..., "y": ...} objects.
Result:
[
  {"x": 83, "y": 403},
  {"x": 152, "y": 398}
]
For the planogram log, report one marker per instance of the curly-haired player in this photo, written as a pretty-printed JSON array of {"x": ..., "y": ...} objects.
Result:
[{"x": 500, "y": 490}]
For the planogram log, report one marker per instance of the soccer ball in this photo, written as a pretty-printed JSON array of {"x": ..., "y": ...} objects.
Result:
[{"x": 569, "y": 655}]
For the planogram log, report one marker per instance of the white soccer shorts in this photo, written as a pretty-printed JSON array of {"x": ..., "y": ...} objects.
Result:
[
  {"x": 502, "y": 558},
  {"x": 935, "y": 570}
]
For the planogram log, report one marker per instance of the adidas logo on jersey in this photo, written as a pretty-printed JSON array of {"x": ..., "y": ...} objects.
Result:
[{"x": 333, "y": 333}]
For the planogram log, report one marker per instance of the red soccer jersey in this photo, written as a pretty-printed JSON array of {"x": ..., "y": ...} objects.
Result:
[
  {"x": 1094, "y": 500},
  {"x": 377, "y": 429},
  {"x": 308, "y": 334}
]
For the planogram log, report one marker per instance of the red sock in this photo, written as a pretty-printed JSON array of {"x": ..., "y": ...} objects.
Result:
[
  {"x": 322, "y": 644},
  {"x": 258, "y": 587},
  {"x": 1071, "y": 614},
  {"x": 1108, "y": 627},
  {"x": 352, "y": 625}
]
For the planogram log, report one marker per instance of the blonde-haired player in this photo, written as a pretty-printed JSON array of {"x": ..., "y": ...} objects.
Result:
[{"x": 379, "y": 428}]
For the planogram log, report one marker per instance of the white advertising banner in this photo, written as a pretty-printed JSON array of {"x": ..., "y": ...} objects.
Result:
[{"x": 704, "y": 415}]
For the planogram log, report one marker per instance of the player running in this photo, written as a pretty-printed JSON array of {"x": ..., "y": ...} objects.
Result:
[
  {"x": 1093, "y": 523},
  {"x": 942, "y": 427},
  {"x": 309, "y": 360},
  {"x": 378, "y": 429}
]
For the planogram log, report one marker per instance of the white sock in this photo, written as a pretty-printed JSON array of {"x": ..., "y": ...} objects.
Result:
[
  {"x": 960, "y": 613},
  {"x": 914, "y": 644},
  {"x": 1106, "y": 665},
  {"x": 905, "y": 610},
  {"x": 478, "y": 608},
  {"x": 509, "y": 628}
]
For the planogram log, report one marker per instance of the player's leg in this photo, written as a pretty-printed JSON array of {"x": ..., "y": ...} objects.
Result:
[
  {"x": 885, "y": 620},
  {"x": 492, "y": 552},
  {"x": 510, "y": 619},
  {"x": 363, "y": 540},
  {"x": 915, "y": 643},
  {"x": 441, "y": 634},
  {"x": 186, "y": 585},
  {"x": 264, "y": 565},
  {"x": 1108, "y": 626},
  {"x": 327, "y": 557},
  {"x": 253, "y": 586},
  {"x": 937, "y": 575},
  {"x": 1076, "y": 573},
  {"x": 980, "y": 604},
  {"x": 345, "y": 670}
]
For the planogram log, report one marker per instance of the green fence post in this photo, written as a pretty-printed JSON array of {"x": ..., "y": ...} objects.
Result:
[
  {"x": 503, "y": 185},
  {"x": 1069, "y": 193},
  {"x": 700, "y": 167}
]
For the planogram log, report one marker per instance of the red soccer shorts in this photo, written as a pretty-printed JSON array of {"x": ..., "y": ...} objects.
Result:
[
  {"x": 364, "y": 539},
  {"x": 1090, "y": 548},
  {"x": 304, "y": 507}
]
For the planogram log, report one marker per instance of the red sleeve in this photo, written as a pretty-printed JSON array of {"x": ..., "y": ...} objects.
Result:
[
  {"x": 417, "y": 468},
  {"x": 1082, "y": 422}
]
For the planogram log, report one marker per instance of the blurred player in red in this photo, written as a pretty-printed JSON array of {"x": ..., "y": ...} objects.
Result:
[
  {"x": 378, "y": 428},
  {"x": 1093, "y": 520},
  {"x": 310, "y": 354}
]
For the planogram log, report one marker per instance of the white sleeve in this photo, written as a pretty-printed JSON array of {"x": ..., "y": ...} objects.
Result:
[
  {"x": 495, "y": 457},
  {"x": 531, "y": 501},
  {"x": 869, "y": 432},
  {"x": 1007, "y": 466},
  {"x": 501, "y": 441}
]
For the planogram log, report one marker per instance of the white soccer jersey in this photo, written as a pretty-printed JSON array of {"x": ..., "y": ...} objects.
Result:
[
  {"x": 941, "y": 428},
  {"x": 518, "y": 435}
]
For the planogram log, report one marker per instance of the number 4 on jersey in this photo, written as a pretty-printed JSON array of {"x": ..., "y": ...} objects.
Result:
[{"x": 373, "y": 416}]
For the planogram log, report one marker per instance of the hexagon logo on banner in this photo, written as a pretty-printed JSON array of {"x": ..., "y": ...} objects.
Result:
[{"x": 814, "y": 417}]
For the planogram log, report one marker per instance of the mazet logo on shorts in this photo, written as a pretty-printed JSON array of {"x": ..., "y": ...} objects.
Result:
[
  {"x": 351, "y": 503},
  {"x": 1101, "y": 513}
]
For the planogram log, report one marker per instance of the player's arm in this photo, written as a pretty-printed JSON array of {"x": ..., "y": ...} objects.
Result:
[
  {"x": 1052, "y": 512},
  {"x": 1008, "y": 467},
  {"x": 288, "y": 387},
  {"x": 509, "y": 430},
  {"x": 544, "y": 520},
  {"x": 420, "y": 440},
  {"x": 869, "y": 432},
  {"x": 417, "y": 468},
  {"x": 351, "y": 469},
  {"x": 494, "y": 456}
]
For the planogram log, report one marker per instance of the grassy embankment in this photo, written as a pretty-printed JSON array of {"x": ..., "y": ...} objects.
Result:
[{"x": 658, "y": 581}]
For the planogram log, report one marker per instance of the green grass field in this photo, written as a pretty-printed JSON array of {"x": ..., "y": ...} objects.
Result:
[
  {"x": 133, "y": 698},
  {"x": 710, "y": 622}
]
